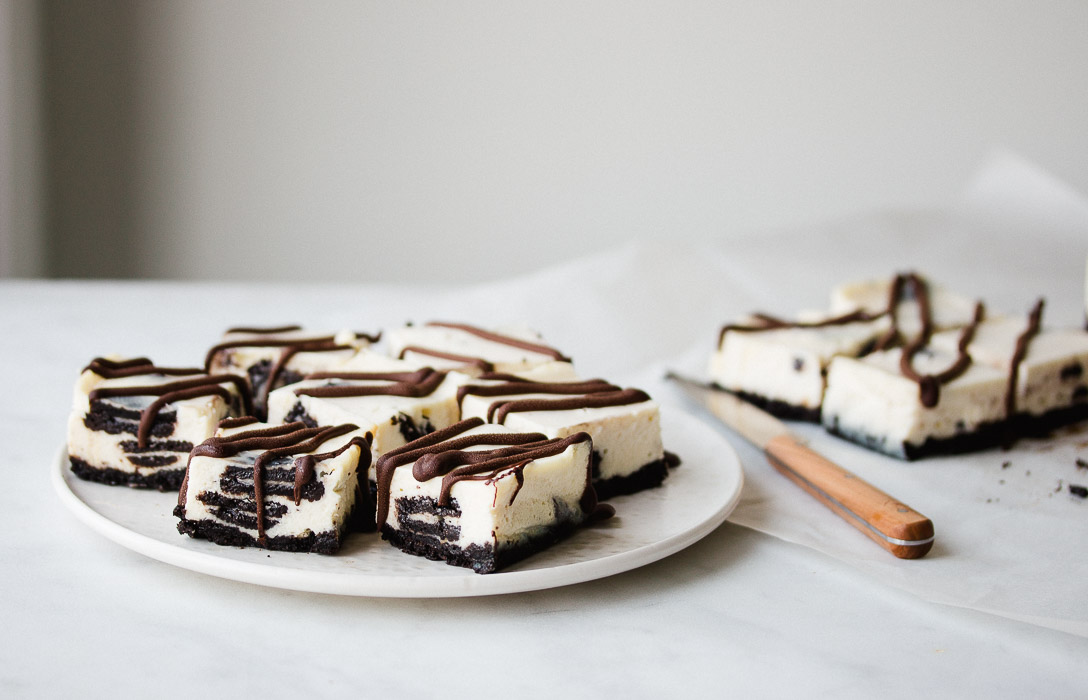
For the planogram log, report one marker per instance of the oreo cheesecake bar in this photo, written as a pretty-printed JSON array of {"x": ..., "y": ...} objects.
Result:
[
  {"x": 394, "y": 407},
  {"x": 1045, "y": 369},
  {"x": 482, "y": 496},
  {"x": 269, "y": 358},
  {"x": 471, "y": 349},
  {"x": 284, "y": 487},
  {"x": 625, "y": 424},
  {"x": 781, "y": 365},
  {"x": 133, "y": 423}
]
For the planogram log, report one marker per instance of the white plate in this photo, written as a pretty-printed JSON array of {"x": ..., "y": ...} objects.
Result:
[{"x": 695, "y": 499}]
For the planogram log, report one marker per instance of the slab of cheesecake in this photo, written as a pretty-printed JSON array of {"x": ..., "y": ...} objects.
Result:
[
  {"x": 625, "y": 424},
  {"x": 872, "y": 402},
  {"x": 471, "y": 349},
  {"x": 1045, "y": 368},
  {"x": 284, "y": 487},
  {"x": 781, "y": 365},
  {"x": 133, "y": 423},
  {"x": 483, "y": 496},
  {"x": 271, "y": 357}
]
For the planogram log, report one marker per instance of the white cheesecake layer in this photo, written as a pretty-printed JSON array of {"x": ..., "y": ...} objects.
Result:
[
  {"x": 788, "y": 364},
  {"x": 869, "y": 398}
]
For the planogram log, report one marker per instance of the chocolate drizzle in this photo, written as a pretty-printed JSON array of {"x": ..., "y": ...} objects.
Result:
[
  {"x": 444, "y": 454},
  {"x": 929, "y": 385},
  {"x": 499, "y": 410},
  {"x": 591, "y": 393},
  {"x": 771, "y": 323},
  {"x": 519, "y": 386},
  {"x": 280, "y": 441},
  {"x": 165, "y": 393},
  {"x": 477, "y": 362},
  {"x": 504, "y": 340},
  {"x": 1035, "y": 319},
  {"x": 410, "y": 384}
]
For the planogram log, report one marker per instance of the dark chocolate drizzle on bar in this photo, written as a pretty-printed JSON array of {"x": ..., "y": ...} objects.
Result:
[
  {"x": 1035, "y": 319},
  {"x": 592, "y": 393},
  {"x": 416, "y": 384},
  {"x": 276, "y": 442},
  {"x": 771, "y": 323},
  {"x": 929, "y": 385},
  {"x": 166, "y": 393},
  {"x": 479, "y": 362},
  {"x": 444, "y": 454}
]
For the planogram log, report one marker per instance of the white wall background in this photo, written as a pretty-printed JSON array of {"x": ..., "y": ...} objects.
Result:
[{"x": 453, "y": 140}]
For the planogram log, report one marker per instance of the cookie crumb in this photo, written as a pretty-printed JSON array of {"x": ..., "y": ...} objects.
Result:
[
  {"x": 1078, "y": 491},
  {"x": 1081, "y": 464},
  {"x": 1006, "y": 465}
]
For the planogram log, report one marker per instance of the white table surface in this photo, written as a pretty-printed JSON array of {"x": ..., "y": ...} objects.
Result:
[{"x": 739, "y": 612}]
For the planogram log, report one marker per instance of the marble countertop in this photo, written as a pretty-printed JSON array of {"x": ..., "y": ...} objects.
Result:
[{"x": 738, "y": 613}]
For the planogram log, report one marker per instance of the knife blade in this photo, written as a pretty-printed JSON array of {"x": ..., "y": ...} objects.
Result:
[{"x": 890, "y": 523}]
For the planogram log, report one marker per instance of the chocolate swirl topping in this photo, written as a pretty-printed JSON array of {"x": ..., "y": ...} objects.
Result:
[
  {"x": 477, "y": 362},
  {"x": 165, "y": 393},
  {"x": 1035, "y": 320},
  {"x": 521, "y": 386},
  {"x": 280, "y": 441},
  {"x": 444, "y": 454},
  {"x": 592, "y": 393},
  {"x": 416, "y": 384},
  {"x": 766, "y": 322},
  {"x": 929, "y": 385}
]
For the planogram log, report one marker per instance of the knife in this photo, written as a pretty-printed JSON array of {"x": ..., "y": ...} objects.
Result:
[{"x": 893, "y": 525}]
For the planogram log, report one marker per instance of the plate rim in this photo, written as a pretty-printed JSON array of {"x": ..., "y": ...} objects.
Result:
[{"x": 399, "y": 586}]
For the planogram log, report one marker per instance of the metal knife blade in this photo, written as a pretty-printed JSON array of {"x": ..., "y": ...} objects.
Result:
[{"x": 893, "y": 525}]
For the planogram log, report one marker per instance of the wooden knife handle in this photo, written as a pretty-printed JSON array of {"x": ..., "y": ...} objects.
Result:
[{"x": 895, "y": 526}]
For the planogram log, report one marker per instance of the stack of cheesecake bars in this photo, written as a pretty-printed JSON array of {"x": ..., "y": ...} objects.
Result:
[
  {"x": 472, "y": 446},
  {"x": 909, "y": 369}
]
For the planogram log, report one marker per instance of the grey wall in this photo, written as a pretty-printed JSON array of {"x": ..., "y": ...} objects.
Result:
[{"x": 447, "y": 140}]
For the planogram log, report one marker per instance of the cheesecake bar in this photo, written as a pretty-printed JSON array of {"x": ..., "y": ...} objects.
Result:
[
  {"x": 1045, "y": 369},
  {"x": 625, "y": 424},
  {"x": 394, "y": 407},
  {"x": 781, "y": 365},
  {"x": 133, "y": 423},
  {"x": 271, "y": 357},
  {"x": 871, "y": 401},
  {"x": 483, "y": 496},
  {"x": 471, "y": 349},
  {"x": 284, "y": 487}
]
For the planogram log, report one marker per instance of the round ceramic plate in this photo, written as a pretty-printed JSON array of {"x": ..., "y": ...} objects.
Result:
[{"x": 695, "y": 499}]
